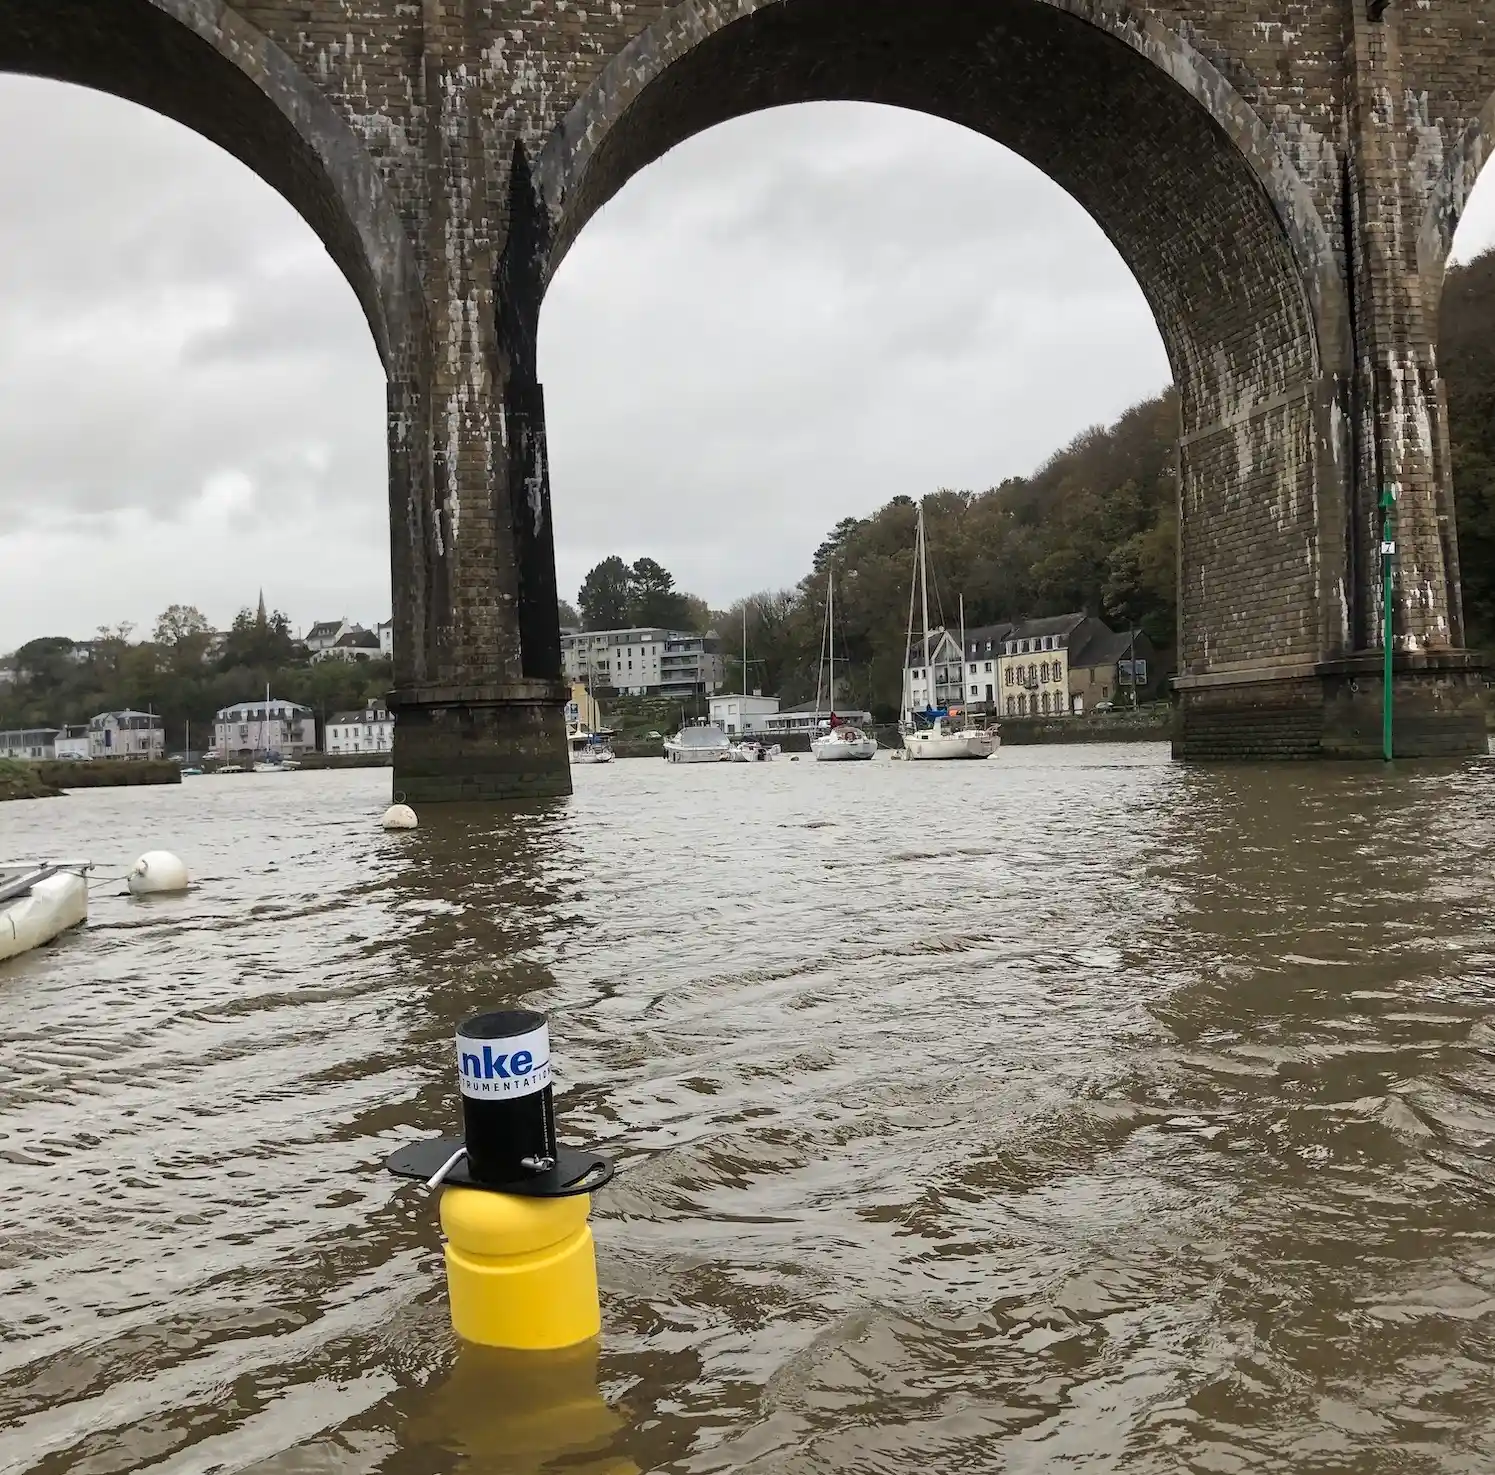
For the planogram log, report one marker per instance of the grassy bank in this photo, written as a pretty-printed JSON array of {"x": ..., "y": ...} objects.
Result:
[
  {"x": 346, "y": 760},
  {"x": 22, "y": 781},
  {"x": 107, "y": 773}
]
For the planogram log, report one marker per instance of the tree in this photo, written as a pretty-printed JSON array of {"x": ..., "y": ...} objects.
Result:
[
  {"x": 840, "y": 536},
  {"x": 259, "y": 641},
  {"x": 605, "y": 595},
  {"x": 653, "y": 599},
  {"x": 183, "y": 635},
  {"x": 569, "y": 619},
  {"x": 179, "y": 622}
]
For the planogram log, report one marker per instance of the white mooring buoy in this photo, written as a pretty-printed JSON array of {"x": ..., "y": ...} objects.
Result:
[
  {"x": 157, "y": 872},
  {"x": 399, "y": 817}
]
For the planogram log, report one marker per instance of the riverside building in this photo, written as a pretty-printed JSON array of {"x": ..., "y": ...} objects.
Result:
[{"x": 644, "y": 661}]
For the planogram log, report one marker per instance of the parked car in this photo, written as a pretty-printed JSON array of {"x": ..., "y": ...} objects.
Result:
[{"x": 1104, "y": 707}]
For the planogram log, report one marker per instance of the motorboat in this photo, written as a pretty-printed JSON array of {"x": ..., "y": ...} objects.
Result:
[
  {"x": 587, "y": 746},
  {"x": 38, "y": 901},
  {"x": 840, "y": 742},
  {"x": 752, "y": 751},
  {"x": 699, "y": 742},
  {"x": 942, "y": 739}
]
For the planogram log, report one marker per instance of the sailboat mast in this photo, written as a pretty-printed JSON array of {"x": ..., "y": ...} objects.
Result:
[
  {"x": 820, "y": 667},
  {"x": 830, "y": 624},
  {"x": 924, "y": 597},
  {"x": 744, "y": 662},
  {"x": 962, "y": 650}
]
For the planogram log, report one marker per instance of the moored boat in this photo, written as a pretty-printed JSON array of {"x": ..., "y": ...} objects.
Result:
[
  {"x": 843, "y": 743},
  {"x": 37, "y": 902},
  {"x": 700, "y": 742},
  {"x": 942, "y": 739},
  {"x": 587, "y": 746},
  {"x": 933, "y": 734},
  {"x": 752, "y": 751},
  {"x": 837, "y": 741}
]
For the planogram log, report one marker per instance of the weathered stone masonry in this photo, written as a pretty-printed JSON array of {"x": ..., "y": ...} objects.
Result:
[{"x": 1283, "y": 180}]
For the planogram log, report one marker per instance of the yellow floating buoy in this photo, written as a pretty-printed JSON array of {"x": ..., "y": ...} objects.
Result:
[
  {"x": 521, "y": 1272},
  {"x": 521, "y": 1267},
  {"x": 156, "y": 873}
]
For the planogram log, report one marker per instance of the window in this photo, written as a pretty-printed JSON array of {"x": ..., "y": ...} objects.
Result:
[
  {"x": 1011, "y": 706},
  {"x": 988, "y": 668},
  {"x": 973, "y": 668},
  {"x": 1009, "y": 676},
  {"x": 1022, "y": 705}
]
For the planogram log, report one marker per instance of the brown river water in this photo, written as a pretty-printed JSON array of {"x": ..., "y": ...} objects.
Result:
[{"x": 1073, "y": 1112}]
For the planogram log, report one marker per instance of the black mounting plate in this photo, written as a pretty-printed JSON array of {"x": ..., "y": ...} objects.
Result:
[{"x": 574, "y": 1172}]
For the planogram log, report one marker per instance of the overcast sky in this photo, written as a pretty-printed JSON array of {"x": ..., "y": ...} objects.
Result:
[{"x": 787, "y": 320}]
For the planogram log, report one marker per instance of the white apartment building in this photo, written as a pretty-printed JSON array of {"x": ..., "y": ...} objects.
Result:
[
  {"x": 260, "y": 726},
  {"x": 740, "y": 716},
  {"x": 644, "y": 662},
  {"x": 126, "y": 734},
  {"x": 369, "y": 731},
  {"x": 385, "y": 630},
  {"x": 937, "y": 682}
]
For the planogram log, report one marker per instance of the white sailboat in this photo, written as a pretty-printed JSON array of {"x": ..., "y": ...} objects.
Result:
[
  {"x": 271, "y": 761},
  {"x": 941, "y": 738},
  {"x": 840, "y": 742},
  {"x": 749, "y": 750}
]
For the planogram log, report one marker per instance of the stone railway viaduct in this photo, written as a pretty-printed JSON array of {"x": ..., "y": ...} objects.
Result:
[{"x": 1284, "y": 180}]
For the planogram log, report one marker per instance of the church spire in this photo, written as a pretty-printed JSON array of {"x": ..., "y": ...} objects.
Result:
[{"x": 260, "y": 617}]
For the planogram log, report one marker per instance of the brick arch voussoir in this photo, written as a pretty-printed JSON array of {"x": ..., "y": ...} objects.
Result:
[
  {"x": 1448, "y": 198},
  {"x": 562, "y": 164},
  {"x": 269, "y": 115}
]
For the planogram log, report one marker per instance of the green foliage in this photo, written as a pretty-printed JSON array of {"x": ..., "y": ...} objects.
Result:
[
  {"x": 615, "y": 596},
  {"x": 256, "y": 639},
  {"x": 1466, "y": 360},
  {"x": 567, "y": 615}
]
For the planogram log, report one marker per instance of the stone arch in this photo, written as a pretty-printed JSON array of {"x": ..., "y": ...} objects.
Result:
[
  {"x": 202, "y": 64},
  {"x": 1447, "y": 197},
  {"x": 1217, "y": 226},
  {"x": 642, "y": 105}
]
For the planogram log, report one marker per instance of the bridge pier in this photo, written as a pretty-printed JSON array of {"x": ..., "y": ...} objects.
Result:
[
  {"x": 1333, "y": 710},
  {"x": 481, "y": 744}
]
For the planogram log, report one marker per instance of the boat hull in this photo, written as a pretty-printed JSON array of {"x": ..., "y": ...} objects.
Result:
[
  {"x": 936, "y": 747},
  {"x": 49, "y": 908},
  {"x": 677, "y": 754},
  {"x": 754, "y": 753},
  {"x": 602, "y": 755},
  {"x": 842, "y": 750}
]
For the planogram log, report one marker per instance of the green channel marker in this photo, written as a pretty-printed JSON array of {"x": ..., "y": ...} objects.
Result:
[{"x": 1388, "y": 553}]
